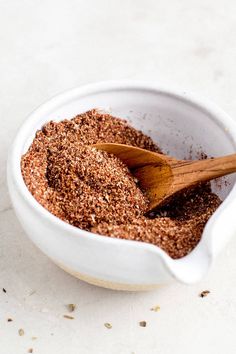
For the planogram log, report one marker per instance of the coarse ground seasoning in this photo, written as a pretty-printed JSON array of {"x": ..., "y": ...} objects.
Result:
[
  {"x": 143, "y": 324},
  {"x": 108, "y": 325},
  {"x": 69, "y": 317},
  {"x": 21, "y": 332},
  {"x": 95, "y": 191},
  {"x": 204, "y": 293},
  {"x": 71, "y": 307}
]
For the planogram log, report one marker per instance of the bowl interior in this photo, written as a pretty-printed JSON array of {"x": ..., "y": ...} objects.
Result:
[{"x": 181, "y": 127}]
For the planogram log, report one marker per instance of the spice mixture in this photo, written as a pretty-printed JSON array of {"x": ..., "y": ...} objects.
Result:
[
  {"x": 204, "y": 293},
  {"x": 95, "y": 191}
]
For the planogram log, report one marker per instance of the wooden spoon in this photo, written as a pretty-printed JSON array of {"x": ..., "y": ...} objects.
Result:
[{"x": 161, "y": 176}]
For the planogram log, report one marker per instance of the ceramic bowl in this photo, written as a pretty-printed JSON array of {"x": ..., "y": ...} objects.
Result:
[{"x": 182, "y": 124}]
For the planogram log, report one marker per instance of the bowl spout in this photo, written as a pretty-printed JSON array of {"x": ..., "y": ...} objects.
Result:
[{"x": 193, "y": 267}]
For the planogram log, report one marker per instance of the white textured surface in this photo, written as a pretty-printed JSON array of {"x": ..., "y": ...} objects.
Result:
[{"x": 50, "y": 46}]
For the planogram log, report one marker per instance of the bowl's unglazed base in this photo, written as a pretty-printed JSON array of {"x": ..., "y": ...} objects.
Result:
[{"x": 108, "y": 284}]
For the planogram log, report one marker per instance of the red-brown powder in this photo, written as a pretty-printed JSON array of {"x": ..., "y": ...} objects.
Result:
[{"x": 95, "y": 191}]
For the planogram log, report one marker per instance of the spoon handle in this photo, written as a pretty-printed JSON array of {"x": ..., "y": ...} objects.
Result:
[{"x": 187, "y": 173}]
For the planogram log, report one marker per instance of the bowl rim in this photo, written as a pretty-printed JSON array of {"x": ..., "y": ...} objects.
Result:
[{"x": 222, "y": 119}]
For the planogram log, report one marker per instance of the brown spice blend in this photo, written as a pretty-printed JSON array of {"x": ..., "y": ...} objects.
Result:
[{"x": 95, "y": 191}]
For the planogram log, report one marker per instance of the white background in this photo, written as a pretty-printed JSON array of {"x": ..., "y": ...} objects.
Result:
[{"x": 49, "y": 46}]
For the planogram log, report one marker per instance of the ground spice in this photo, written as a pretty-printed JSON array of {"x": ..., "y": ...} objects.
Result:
[
  {"x": 108, "y": 325},
  {"x": 71, "y": 307},
  {"x": 155, "y": 308},
  {"x": 21, "y": 332},
  {"x": 143, "y": 324},
  {"x": 204, "y": 293},
  {"x": 95, "y": 191},
  {"x": 69, "y": 317}
]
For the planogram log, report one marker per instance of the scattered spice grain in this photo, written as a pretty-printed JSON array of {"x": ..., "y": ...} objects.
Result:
[
  {"x": 155, "y": 308},
  {"x": 30, "y": 350},
  {"x": 71, "y": 307},
  {"x": 204, "y": 293},
  {"x": 21, "y": 332},
  {"x": 142, "y": 323},
  {"x": 108, "y": 325},
  {"x": 95, "y": 191},
  {"x": 9, "y": 320},
  {"x": 69, "y": 317},
  {"x": 4, "y": 290}
]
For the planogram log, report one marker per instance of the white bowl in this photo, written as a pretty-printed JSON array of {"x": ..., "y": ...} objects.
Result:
[{"x": 180, "y": 123}]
